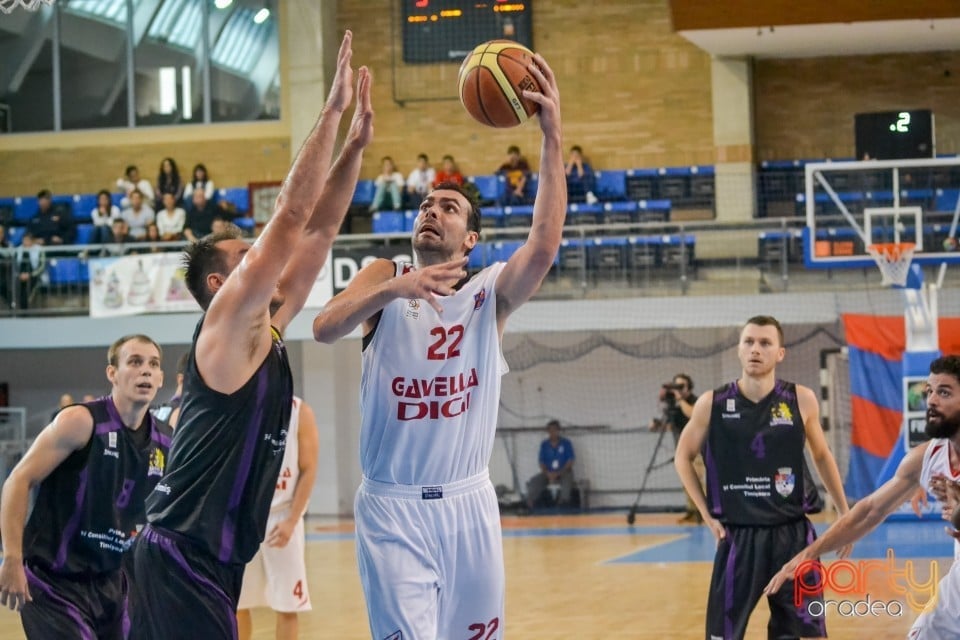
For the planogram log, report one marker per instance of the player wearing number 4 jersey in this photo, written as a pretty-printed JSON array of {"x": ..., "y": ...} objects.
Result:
[
  {"x": 752, "y": 433},
  {"x": 428, "y": 527}
]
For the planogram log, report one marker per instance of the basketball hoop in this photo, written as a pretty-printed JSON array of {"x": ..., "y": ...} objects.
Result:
[
  {"x": 7, "y": 6},
  {"x": 894, "y": 259}
]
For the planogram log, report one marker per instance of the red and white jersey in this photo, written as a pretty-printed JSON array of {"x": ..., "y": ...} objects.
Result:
[
  {"x": 936, "y": 461},
  {"x": 430, "y": 386},
  {"x": 290, "y": 468}
]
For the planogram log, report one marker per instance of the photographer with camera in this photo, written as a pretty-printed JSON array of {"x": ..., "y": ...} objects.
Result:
[{"x": 676, "y": 401}]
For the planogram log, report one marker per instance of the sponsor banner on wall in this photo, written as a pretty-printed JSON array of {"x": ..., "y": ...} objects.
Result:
[
  {"x": 347, "y": 262},
  {"x": 154, "y": 283}
]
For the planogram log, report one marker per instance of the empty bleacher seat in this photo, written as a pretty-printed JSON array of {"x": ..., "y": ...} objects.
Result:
[
  {"x": 62, "y": 205},
  {"x": 491, "y": 216},
  {"x": 642, "y": 252},
  {"x": 946, "y": 199},
  {"x": 24, "y": 208},
  {"x": 654, "y": 210},
  {"x": 620, "y": 212},
  {"x": 387, "y": 222},
  {"x": 578, "y": 213},
  {"x": 85, "y": 233},
  {"x": 640, "y": 183},
  {"x": 246, "y": 223},
  {"x": 477, "y": 258},
  {"x": 117, "y": 199},
  {"x": 239, "y": 197},
  {"x": 502, "y": 250},
  {"x": 15, "y": 235},
  {"x": 607, "y": 254},
  {"x": 572, "y": 255},
  {"x": 489, "y": 187},
  {"x": 611, "y": 185},
  {"x": 363, "y": 193},
  {"x": 64, "y": 271},
  {"x": 83, "y": 206},
  {"x": 410, "y": 219},
  {"x": 518, "y": 216}
]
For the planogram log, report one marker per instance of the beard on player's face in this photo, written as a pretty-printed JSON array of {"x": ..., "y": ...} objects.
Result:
[{"x": 940, "y": 425}]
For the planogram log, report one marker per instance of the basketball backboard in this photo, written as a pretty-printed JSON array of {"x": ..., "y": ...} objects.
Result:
[{"x": 852, "y": 205}]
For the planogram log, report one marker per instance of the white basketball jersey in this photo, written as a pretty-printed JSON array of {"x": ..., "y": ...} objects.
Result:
[
  {"x": 290, "y": 469},
  {"x": 936, "y": 461},
  {"x": 430, "y": 387}
]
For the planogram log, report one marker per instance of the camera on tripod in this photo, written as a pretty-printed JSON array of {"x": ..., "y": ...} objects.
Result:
[{"x": 669, "y": 391}]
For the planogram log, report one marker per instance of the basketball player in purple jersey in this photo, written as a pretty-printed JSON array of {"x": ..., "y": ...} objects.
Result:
[
  {"x": 428, "y": 525},
  {"x": 92, "y": 468},
  {"x": 752, "y": 433},
  {"x": 208, "y": 516}
]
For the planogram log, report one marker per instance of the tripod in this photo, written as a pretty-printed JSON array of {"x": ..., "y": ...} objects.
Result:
[{"x": 652, "y": 465}]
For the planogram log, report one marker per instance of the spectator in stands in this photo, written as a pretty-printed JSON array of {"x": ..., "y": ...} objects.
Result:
[
  {"x": 517, "y": 172},
  {"x": 170, "y": 219},
  {"x": 199, "y": 217},
  {"x": 153, "y": 236},
  {"x": 118, "y": 237},
  {"x": 65, "y": 401},
  {"x": 168, "y": 181},
  {"x": 199, "y": 181},
  {"x": 420, "y": 180},
  {"x": 131, "y": 181},
  {"x": 581, "y": 181},
  {"x": 388, "y": 183},
  {"x": 556, "y": 467},
  {"x": 4, "y": 267},
  {"x": 138, "y": 215},
  {"x": 103, "y": 216},
  {"x": 50, "y": 225},
  {"x": 31, "y": 263},
  {"x": 449, "y": 172}
]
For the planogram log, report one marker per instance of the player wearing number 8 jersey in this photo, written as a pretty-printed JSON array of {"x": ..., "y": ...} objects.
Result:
[
  {"x": 752, "y": 434},
  {"x": 427, "y": 520}
]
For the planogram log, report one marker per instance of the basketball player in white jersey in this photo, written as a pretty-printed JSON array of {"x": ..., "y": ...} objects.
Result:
[
  {"x": 428, "y": 525},
  {"x": 277, "y": 575},
  {"x": 938, "y": 457}
]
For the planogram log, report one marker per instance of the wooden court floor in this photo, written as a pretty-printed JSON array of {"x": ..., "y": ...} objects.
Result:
[{"x": 593, "y": 577}]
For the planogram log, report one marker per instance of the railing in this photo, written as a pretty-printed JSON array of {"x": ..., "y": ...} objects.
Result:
[{"x": 13, "y": 438}]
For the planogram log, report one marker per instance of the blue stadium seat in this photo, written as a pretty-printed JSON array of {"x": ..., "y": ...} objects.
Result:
[
  {"x": 387, "y": 222},
  {"x": 246, "y": 223},
  {"x": 519, "y": 216},
  {"x": 654, "y": 210},
  {"x": 63, "y": 204},
  {"x": 491, "y": 188},
  {"x": 83, "y": 206},
  {"x": 579, "y": 213},
  {"x": 410, "y": 219},
  {"x": 15, "y": 235},
  {"x": 363, "y": 193},
  {"x": 64, "y": 271},
  {"x": 117, "y": 198},
  {"x": 611, "y": 185},
  {"x": 491, "y": 217},
  {"x": 239, "y": 197},
  {"x": 623, "y": 212},
  {"x": 533, "y": 183},
  {"x": 946, "y": 199},
  {"x": 85, "y": 233},
  {"x": 24, "y": 208},
  {"x": 502, "y": 250},
  {"x": 477, "y": 258}
]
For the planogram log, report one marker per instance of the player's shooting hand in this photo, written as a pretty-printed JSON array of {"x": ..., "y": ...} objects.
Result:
[
  {"x": 361, "y": 126},
  {"x": 14, "y": 592},
  {"x": 279, "y": 536},
  {"x": 341, "y": 89},
  {"x": 549, "y": 95},
  {"x": 432, "y": 281}
]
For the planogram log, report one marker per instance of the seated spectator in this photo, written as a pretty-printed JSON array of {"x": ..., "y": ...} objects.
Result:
[
  {"x": 103, "y": 216},
  {"x": 65, "y": 401},
  {"x": 170, "y": 219},
  {"x": 30, "y": 264},
  {"x": 49, "y": 225},
  {"x": 388, "y": 183},
  {"x": 118, "y": 237},
  {"x": 200, "y": 180},
  {"x": 420, "y": 181},
  {"x": 556, "y": 467},
  {"x": 153, "y": 236},
  {"x": 168, "y": 181},
  {"x": 517, "y": 172},
  {"x": 138, "y": 215},
  {"x": 5, "y": 258},
  {"x": 581, "y": 181},
  {"x": 131, "y": 181},
  {"x": 199, "y": 217},
  {"x": 449, "y": 172}
]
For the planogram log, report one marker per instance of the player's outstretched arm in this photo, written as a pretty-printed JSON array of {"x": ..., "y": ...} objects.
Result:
[
  {"x": 376, "y": 285},
  {"x": 525, "y": 270},
  {"x": 861, "y": 519},
  {"x": 308, "y": 452},
  {"x": 822, "y": 457},
  {"x": 688, "y": 447},
  {"x": 69, "y": 432},
  {"x": 312, "y": 249}
]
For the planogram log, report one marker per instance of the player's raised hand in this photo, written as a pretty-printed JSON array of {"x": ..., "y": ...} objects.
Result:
[
  {"x": 14, "y": 592},
  {"x": 361, "y": 126},
  {"x": 548, "y": 97},
  {"x": 341, "y": 89},
  {"x": 429, "y": 282}
]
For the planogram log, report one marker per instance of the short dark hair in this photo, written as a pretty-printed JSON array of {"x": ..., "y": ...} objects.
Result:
[
  {"x": 104, "y": 192},
  {"x": 686, "y": 379},
  {"x": 423, "y": 156},
  {"x": 200, "y": 259},
  {"x": 130, "y": 169},
  {"x": 473, "y": 218},
  {"x": 766, "y": 321},
  {"x": 947, "y": 364},
  {"x": 44, "y": 193},
  {"x": 553, "y": 423},
  {"x": 576, "y": 148},
  {"x": 113, "y": 353},
  {"x": 513, "y": 149}
]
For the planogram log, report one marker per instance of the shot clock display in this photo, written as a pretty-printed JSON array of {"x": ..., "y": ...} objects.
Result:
[
  {"x": 894, "y": 135},
  {"x": 447, "y": 30}
]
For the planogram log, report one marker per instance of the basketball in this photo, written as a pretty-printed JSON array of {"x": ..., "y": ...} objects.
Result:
[
  {"x": 491, "y": 81},
  {"x": 950, "y": 244}
]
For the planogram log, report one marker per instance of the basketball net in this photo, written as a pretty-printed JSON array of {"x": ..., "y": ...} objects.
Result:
[
  {"x": 894, "y": 259},
  {"x": 7, "y": 6}
]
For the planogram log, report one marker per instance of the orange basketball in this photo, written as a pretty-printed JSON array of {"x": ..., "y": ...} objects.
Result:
[{"x": 492, "y": 79}]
